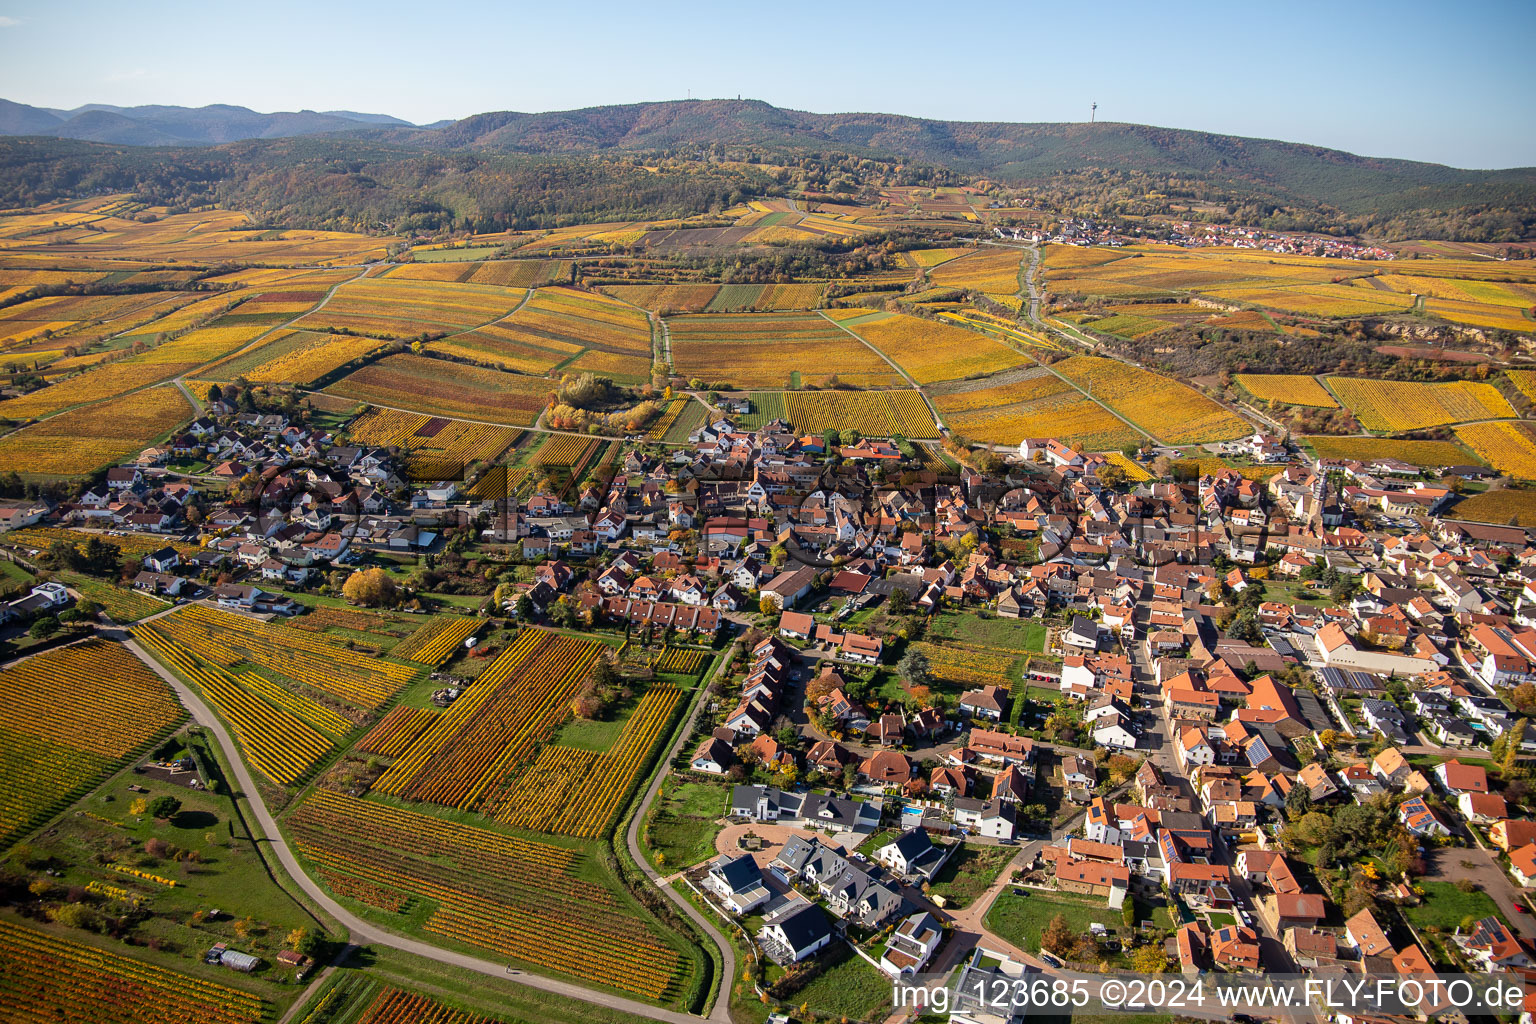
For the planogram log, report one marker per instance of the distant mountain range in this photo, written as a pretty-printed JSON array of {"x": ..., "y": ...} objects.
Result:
[
  {"x": 179, "y": 126},
  {"x": 1322, "y": 186}
]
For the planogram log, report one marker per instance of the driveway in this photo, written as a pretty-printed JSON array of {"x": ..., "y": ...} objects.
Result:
[{"x": 774, "y": 837}]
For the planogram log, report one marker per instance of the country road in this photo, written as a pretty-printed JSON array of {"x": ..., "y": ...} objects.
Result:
[
  {"x": 721, "y": 1012},
  {"x": 363, "y": 931}
]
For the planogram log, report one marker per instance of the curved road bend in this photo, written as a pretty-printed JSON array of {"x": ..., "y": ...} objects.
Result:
[
  {"x": 721, "y": 1012},
  {"x": 363, "y": 931}
]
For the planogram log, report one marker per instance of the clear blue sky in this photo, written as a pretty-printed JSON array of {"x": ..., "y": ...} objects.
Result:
[{"x": 1448, "y": 82}]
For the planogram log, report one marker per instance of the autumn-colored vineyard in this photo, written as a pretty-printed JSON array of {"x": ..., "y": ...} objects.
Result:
[
  {"x": 518, "y": 898},
  {"x": 435, "y": 642},
  {"x": 932, "y": 351},
  {"x": 1287, "y": 388},
  {"x": 763, "y": 350},
  {"x": 579, "y": 792},
  {"x": 396, "y": 731},
  {"x": 225, "y": 639},
  {"x": 277, "y": 739},
  {"x": 966, "y": 665},
  {"x": 1173, "y": 412},
  {"x": 495, "y": 725},
  {"x": 441, "y": 388},
  {"x": 680, "y": 660},
  {"x": 69, "y": 716},
  {"x": 1507, "y": 447},
  {"x": 46, "y": 979},
  {"x": 872, "y": 413},
  {"x": 1396, "y": 405},
  {"x": 394, "y": 1006}
]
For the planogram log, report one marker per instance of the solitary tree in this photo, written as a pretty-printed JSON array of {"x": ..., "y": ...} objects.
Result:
[
  {"x": 164, "y": 807},
  {"x": 1059, "y": 938},
  {"x": 370, "y": 587},
  {"x": 914, "y": 669}
]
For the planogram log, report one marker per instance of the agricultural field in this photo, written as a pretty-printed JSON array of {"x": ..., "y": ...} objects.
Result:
[
  {"x": 1451, "y": 289},
  {"x": 1133, "y": 470},
  {"x": 278, "y": 728},
  {"x": 1501, "y": 507},
  {"x": 701, "y": 297},
  {"x": 1123, "y": 325},
  {"x": 292, "y": 357},
  {"x": 45, "y": 978},
  {"x": 121, "y": 603},
  {"x": 441, "y": 449},
  {"x": 561, "y": 327},
  {"x": 83, "y": 440},
  {"x": 385, "y": 428},
  {"x": 1171, "y": 411},
  {"x": 1033, "y": 406},
  {"x": 687, "y": 297},
  {"x": 513, "y": 708},
  {"x": 687, "y": 421},
  {"x": 209, "y": 237},
  {"x": 437, "y": 641},
  {"x": 459, "y": 267},
  {"x": 871, "y": 413},
  {"x": 1287, "y": 389},
  {"x": 1010, "y": 332},
  {"x": 930, "y": 351},
  {"x": 352, "y": 677},
  {"x": 579, "y": 792},
  {"x": 1391, "y": 406},
  {"x": 441, "y": 388},
  {"x": 1524, "y": 382},
  {"x": 1425, "y": 454},
  {"x": 969, "y": 667},
  {"x": 395, "y": 1006},
  {"x": 687, "y": 661},
  {"x": 388, "y": 307},
  {"x": 68, "y": 718},
  {"x": 396, "y": 731},
  {"x": 1509, "y": 448},
  {"x": 290, "y": 695},
  {"x": 76, "y": 319},
  {"x": 989, "y": 269},
  {"x": 528, "y": 901},
  {"x": 773, "y": 350},
  {"x": 373, "y": 625},
  {"x": 663, "y": 423},
  {"x": 564, "y": 451}
]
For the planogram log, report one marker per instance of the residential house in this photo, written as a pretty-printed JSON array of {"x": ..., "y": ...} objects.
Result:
[{"x": 737, "y": 883}]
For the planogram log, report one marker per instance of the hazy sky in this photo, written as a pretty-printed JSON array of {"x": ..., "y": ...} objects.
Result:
[{"x": 1448, "y": 82}]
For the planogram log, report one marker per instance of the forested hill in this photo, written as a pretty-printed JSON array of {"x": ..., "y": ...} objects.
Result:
[
  {"x": 1006, "y": 152},
  {"x": 565, "y": 164}
]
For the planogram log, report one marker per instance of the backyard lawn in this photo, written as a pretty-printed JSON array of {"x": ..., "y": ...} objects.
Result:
[
  {"x": 1004, "y": 634},
  {"x": 1446, "y": 906},
  {"x": 1021, "y": 919},
  {"x": 969, "y": 871},
  {"x": 852, "y": 990}
]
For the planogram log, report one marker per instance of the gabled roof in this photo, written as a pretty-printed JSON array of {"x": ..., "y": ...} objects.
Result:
[{"x": 1468, "y": 778}]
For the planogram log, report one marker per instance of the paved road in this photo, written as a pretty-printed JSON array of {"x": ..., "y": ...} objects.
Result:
[
  {"x": 364, "y": 931},
  {"x": 721, "y": 1012}
]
